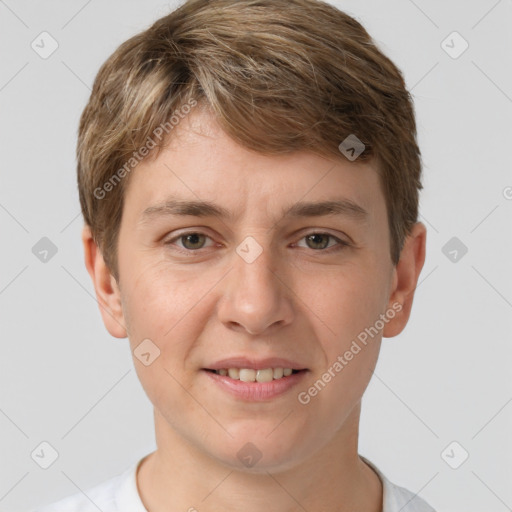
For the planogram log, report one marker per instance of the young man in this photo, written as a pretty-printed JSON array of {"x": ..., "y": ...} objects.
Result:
[{"x": 249, "y": 178}]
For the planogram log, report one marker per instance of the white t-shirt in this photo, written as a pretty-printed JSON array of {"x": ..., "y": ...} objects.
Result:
[{"x": 120, "y": 494}]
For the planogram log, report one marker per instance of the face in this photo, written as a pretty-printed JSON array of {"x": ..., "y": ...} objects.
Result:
[{"x": 264, "y": 283}]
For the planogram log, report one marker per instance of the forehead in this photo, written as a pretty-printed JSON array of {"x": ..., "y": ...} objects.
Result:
[{"x": 202, "y": 164}]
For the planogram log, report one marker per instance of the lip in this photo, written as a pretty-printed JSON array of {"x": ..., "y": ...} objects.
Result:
[
  {"x": 255, "y": 364},
  {"x": 255, "y": 391}
]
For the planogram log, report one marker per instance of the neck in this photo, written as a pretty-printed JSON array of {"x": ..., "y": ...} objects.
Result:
[{"x": 179, "y": 477}]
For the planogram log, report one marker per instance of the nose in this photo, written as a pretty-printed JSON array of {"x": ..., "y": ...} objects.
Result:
[{"x": 257, "y": 295}]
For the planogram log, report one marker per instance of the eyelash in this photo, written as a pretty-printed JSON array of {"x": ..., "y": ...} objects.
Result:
[{"x": 340, "y": 245}]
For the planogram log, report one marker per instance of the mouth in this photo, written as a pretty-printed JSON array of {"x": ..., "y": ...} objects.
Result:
[
  {"x": 252, "y": 380},
  {"x": 255, "y": 375},
  {"x": 255, "y": 379}
]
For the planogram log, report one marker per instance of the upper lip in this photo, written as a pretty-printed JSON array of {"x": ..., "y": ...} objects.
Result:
[{"x": 255, "y": 364}]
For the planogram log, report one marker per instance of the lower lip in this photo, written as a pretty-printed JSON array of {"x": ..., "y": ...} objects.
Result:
[{"x": 256, "y": 391}]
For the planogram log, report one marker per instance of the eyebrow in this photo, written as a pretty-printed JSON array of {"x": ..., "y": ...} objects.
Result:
[{"x": 175, "y": 207}]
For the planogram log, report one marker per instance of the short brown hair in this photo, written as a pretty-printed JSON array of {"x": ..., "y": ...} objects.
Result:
[{"x": 278, "y": 75}]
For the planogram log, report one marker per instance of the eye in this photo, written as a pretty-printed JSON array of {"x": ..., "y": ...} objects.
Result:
[
  {"x": 320, "y": 241},
  {"x": 191, "y": 241}
]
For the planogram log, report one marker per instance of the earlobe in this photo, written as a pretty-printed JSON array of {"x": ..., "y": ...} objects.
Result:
[
  {"x": 107, "y": 290},
  {"x": 405, "y": 279}
]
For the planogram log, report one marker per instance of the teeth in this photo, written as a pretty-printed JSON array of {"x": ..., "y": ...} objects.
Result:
[
  {"x": 278, "y": 373},
  {"x": 266, "y": 375},
  {"x": 234, "y": 373},
  {"x": 251, "y": 375},
  {"x": 247, "y": 375}
]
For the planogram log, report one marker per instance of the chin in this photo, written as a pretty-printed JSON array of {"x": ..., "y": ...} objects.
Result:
[{"x": 258, "y": 452}]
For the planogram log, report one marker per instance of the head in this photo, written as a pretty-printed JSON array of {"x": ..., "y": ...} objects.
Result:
[{"x": 242, "y": 106}]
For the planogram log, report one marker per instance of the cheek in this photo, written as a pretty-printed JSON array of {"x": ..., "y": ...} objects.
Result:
[
  {"x": 344, "y": 301},
  {"x": 346, "y": 304},
  {"x": 164, "y": 305}
]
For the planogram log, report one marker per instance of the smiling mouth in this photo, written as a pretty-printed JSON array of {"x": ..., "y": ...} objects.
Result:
[{"x": 252, "y": 375}]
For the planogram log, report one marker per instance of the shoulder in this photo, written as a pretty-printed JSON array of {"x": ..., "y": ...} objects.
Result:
[
  {"x": 112, "y": 495},
  {"x": 396, "y": 498},
  {"x": 99, "y": 497}
]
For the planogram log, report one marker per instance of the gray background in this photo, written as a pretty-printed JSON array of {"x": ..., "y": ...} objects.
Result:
[{"x": 446, "y": 378}]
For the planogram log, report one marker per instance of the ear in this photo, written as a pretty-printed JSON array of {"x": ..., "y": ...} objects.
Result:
[
  {"x": 405, "y": 278},
  {"x": 107, "y": 290}
]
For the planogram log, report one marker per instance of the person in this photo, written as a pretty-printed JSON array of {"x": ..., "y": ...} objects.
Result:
[{"x": 249, "y": 178}]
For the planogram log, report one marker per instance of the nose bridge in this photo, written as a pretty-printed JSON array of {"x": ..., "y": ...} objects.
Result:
[
  {"x": 255, "y": 263},
  {"x": 255, "y": 297}
]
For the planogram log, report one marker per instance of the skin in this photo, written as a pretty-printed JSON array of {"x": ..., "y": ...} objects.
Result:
[{"x": 296, "y": 300}]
